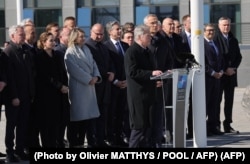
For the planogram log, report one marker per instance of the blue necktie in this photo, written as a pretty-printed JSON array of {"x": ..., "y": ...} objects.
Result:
[
  {"x": 214, "y": 47},
  {"x": 119, "y": 49}
]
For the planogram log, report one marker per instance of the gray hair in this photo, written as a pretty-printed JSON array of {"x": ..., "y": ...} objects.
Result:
[
  {"x": 145, "y": 20},
  {"x": 224, "y": 18},
  {"x": 13, "y": 29},
  {"x": 140, "y": 30},
  {"x": 26, "y": 21},
  {"x": 110, "y": 24}
]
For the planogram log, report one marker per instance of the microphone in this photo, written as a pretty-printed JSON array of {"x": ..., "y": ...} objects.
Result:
[
  {"x": 192, "y": 61},
  {"x": 183, "y": 56},
  {"x": 186, "y": 58}
]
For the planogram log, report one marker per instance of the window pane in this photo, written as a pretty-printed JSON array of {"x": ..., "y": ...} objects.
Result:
[
  {"x": 28, "y": 13},
  {"x": 2, "y": 18},
  {"x": 206, "y": 9},
  {"x": 84, "y": 13},
  {"x": 2, "y": 28},
  {"x": 224, "y": 10},
  {"x": 28, "y": 3},
  {"x": 231, "y": 11},
  {"x": 106, "y": 2},
  {"x": 83, "y": 3},
  {"x": 164, "y": 2},
  {"x": 50, "y": 15},
  {"x": 165, "y": 11},
  {"x": 104, "y": 15},
  {"x": 140, "y": 13},
  {"x": 48, "y": 3},
  {"x": 141, "y": 2},
  {"x": 44, "y": 17},
  {"x": 162, "y": 11},
  {"x": 155, "y": 2},
  {"x": 220, "y": 1},
  {"x": 86, "y": 22}
]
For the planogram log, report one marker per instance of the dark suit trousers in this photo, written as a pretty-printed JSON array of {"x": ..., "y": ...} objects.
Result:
[
  {"x": 228, "y": 88},
  {"x": 139, "y": 138},
  {"x": 17, "y": 119},
  {"x": 116, "y": 114},
  {"x": 212, "y": 96}
]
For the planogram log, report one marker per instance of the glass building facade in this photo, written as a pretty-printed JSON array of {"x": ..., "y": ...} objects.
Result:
[{"x": 88, "y": 12}]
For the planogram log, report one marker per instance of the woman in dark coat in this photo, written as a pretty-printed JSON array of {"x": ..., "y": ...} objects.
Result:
[{"x": 51, "y": 84}]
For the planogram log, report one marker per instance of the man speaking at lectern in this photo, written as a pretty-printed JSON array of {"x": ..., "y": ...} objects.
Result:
[{"x": 139, "y": 67}]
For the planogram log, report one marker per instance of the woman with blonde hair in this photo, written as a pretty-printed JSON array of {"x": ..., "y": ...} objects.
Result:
[{"x": 83, "y": 74}]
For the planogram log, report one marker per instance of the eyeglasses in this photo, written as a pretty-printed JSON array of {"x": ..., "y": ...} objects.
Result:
[
  {"x": 210, "y": 30},
  {"x": 100, "y": 34}
]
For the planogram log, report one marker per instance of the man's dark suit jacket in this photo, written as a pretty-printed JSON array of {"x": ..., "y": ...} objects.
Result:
[
  {"x": 185, "y": 41},
  {"x": 19, "y": 73},
  {"x": 140, "y": 89},
  {"x": 118, "y": 59},
  {"x": 105, "y": 64},
  {"x": 231, "y": 54},
  {"x": 213, "y": 61}
]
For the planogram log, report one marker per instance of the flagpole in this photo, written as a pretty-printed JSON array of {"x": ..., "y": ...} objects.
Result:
[
  {"x": 19, "y": 4},
  {"x": 197, "y": 48}
]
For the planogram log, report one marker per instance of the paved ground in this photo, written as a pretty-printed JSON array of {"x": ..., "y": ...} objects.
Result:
[{"x": 241, "y": 122}]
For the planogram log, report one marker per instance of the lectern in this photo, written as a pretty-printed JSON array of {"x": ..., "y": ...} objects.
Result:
[{"x": 182, "y": 79}]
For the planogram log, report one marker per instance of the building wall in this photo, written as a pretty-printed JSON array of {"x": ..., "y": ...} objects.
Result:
[
  {"x": 10, "y": 13},
  {"x": 184, "y": 8},
  {"x": 127, "y": 11},
  {"x": 68, "y": 8},
  {"x": 245, "y": 20}
]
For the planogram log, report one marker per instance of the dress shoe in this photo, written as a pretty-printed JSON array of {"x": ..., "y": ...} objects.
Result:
[
  {"x": 103, "y": 144},
  {"x": 2, "y": 155},
  {"x": 230, "y": 130},
  {"x": 217, "y": 132},
  {"x": 126, "y": 140},
  {"x": 23, "y": 156},
  {"x": 121, "y": 143},
  {"x": 12, "y": 158}
]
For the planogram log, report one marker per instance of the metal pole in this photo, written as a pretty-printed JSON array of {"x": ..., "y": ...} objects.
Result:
[
  {"x": 19, "y": 6},
  {"x": 197, "y": 48}
]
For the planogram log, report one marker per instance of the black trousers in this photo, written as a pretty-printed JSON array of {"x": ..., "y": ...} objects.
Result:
[
  {"x": 17, "y": 118},
  {"x": 139, "y": 138},
  {"x": 227, "y": 87},
  {"x": 77, "y": 132}
]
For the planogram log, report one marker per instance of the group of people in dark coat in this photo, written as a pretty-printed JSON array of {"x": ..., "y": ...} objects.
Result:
[
  {"x": 144, "y": 58},
  {"x": 36, "y": 83},
  {"x": 41, "y": 82}
]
